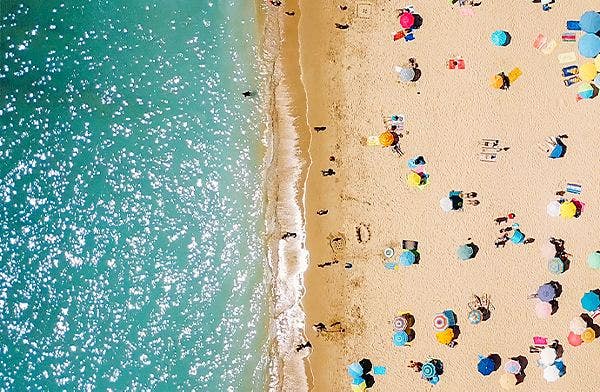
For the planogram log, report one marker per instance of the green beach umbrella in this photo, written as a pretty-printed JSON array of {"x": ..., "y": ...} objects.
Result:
[
  {"x": 464, "y": 252},
  {"x": 556, "y": 266},
  {"x": 593, "y": 260}
]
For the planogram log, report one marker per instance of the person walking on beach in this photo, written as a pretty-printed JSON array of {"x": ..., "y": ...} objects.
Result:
[
  {"x": 416, "y": 366},
  {"x": 328, "y": 172},
  {"x": 247, "y": 93},
  {"x": 341, "y": 26},
  {"x": 288, "y": 234},
  {"x": 322, "y": 212},
  {"x": 320, "y": 327},
  {"x": 319, "y": 129}
]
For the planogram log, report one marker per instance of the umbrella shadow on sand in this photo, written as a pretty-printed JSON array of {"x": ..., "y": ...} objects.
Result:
[
  {"x": 497, "y": 360},
  {"x": 418, "y": 21},
  {"x": 590, "y": 323},
  {"x": 523, "y": 362}
]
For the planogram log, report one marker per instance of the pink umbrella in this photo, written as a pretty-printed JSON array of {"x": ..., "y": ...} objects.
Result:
[
  {"x": 548, "y": 250},
  {"x": 407, "y": 20},
  {"x": 574, "y": 339},
  {"x": 543, "y": 309}
]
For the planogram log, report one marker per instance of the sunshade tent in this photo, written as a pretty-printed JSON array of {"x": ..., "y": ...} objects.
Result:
[
  {"x": 556, "y": 266},
  {"x": 405, "y": 74},
  {"x": 593, "y": 260},
  {"x": 486, "y": 366},
  {"x": 464, "y": 252},
  {"x": 446, "y": 336},
  {"x": 543, "y": 310},
  {"x": 499, "y": 38},
  {"x": 518, "y": 237},
  {"x": 551, "y": 373},
  {"x": 590, "y": 301},
  {"x": 577, "y": 325},
  {"x": 588, "y": 335},
  {"x": 574, "y": 339},
  {"x": 407, "y": 20},
  {"x": 587, "y": 71},
  {"x": 547, "y": 356},
  {"x": 553, "y": 208},
  {"x": 589, "y": 45},
  {"x": 590, "y": 22},
  {"x": 407, "y": 258},
  {"x": 568, "y": 209}
]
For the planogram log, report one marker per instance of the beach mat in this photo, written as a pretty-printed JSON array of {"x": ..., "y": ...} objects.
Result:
[{"x": 568, "y": 57}]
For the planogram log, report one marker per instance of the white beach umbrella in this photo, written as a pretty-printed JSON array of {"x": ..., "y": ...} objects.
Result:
[
  {"x": 551, "y": 373},
  {"x": 547, "y": 356},
  {"x": 553, "y": 208},
  {"x": 577, "y": 325},
  {"x": 405, "y": 74},
  {"x": 446, "y": 204},
  {"x": 548, "y": 250}
]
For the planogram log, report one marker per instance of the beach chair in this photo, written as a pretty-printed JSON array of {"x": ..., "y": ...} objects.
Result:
[
  {"x": 488, "y": 157},
  {"x": 514, "y": 74},
  {"x": 489, "y": 143},
  {"x": 410, "y": 245}
]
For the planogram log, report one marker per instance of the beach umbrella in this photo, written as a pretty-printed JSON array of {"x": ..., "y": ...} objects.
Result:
[
  {"x": 556, "y": 266},
  {"x": 407, "y": 258},
  {"x": 497, "y": 81},
  {"x": 543, "y": 310},
  {"x": 597, "y": 78},
  {"x": 400, "y": 338},
  {"x": 518, "y": 237},
  {"x": 388, "y": 252},
  {"x": 547, "y": 356},
  {"x": 499, "y": 38},
  {"x": 574, "y": 339},
  {"x": 400, "y": 323},
  {"x": 486, "y": 366},
  {"x": 413, "y": 179},
  {"x": 359, "y": 387},
  {"x": 590, "y": 22},
  {"x": 553, "y": 208},
  {"x": 577, "y": 325},
  {"x": 568, "y": 209},
  {"x": 551, "y": 373},
  {"x": 546, "y": 292},
  {"x": 405, "y": 74},
  {"x": 548, "y": 250},
  {"x": 446, "y": 204},
  {"x": 388, "y": 139},
  {"x": 587, "y": 71},
  {"x": 355, "y": 370},
  {"x": 440, "y": 322},
  {"x": 585, "y": 90},
  {"x": 407, "y": 20},
  {"x": 428, "y": 370},
  {"x": 475, "y": 316},
  {"x": 434, "y": 380},
  {"x": 588, "y": 335},
  {"x": 446, "y": 336},
  {"x": 590, "y": 301},
  {"x": 578, "y": 206},
  {"x": 597, "y": 63},
  {"x": 513, "y": 367},
  {"x": 562, "y": 369},
  {"x": 464, "y": 252},
  {"x": 593, "y": 260},
  {"x": 508, "y": 381},
  {"x": 589, "y": 45},
  {"x": 557, "y": 152}
]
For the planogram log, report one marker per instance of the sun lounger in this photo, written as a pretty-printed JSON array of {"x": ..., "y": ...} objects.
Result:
[
  {"x": 488, "y": 157},
  {"x": 573, "y": 25},
  {"x": 373, "y": 141},
  {"x": 574, "y": 188},
  {"x": 568, "y": 57},
  {"x": 570, "y": 71},
  {"x": 514, "y": 74},
  {"x": 489, "y": 143}
]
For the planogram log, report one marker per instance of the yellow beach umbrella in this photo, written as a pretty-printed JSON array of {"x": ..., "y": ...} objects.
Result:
[
  {"x": 597, "y": 63},
  {"x": 413, "y": 179},
  {"x": 568, "y": 209},
  {"x": 446, "y": 336},
  {"x": 386, "y": 139},
  {"x": 508, "y": 381},
  {"x": 497, "y": 81},
  {"x": 588, "y": 71},
  {"x": 588, "y": 335}
]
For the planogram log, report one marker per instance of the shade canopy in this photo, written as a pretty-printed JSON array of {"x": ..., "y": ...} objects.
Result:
[
  {"x": 577, "y": 325},
  {"x": 513, "y": 367},
  {"x": 556, "y": 266},
  {"x": 407, "y": 258},
  {"x": 590, "y": 22},
  {"x": 587, "y": 71},
  {"x": 499, "y": 38},
  {"x": 574, "y": 339},
  {"x": 407, "y": 20},
  {"x": 405, "y": 74},
  {"x": 551, "y": 373},
  {"x": 589, "y": 45},
  {"x": 464, "y": 252},
  {"x": 400, "y": 338},
  {"x": 547, "y": 356},
  {"x": 553, "y": 208},
  {"x": 593, "y": 260},
  {"x": 568, "y": 209},
  {"x": 590, "y": 301},
  {"x": 486, "y": 366},
  {"x": 543, "y": 310}
]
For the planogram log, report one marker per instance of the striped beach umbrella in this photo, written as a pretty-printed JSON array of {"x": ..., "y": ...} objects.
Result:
[
  {"x": 428, "y": 370},
  {"x": 400, "y": 323},
  {"x": 475, "y": 316},
  {"x": 556, "y": 266},
  {"x": 440, "y": 322},
  {"x": 400, "y": 338}
]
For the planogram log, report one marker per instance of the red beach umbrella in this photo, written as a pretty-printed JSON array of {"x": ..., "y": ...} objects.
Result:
[{"x": 407, "y": 20}]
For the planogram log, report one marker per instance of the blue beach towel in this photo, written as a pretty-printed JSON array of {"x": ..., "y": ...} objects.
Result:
[
  {"x": 379, "y": 370},
  {"x": 573, "y": 25}
]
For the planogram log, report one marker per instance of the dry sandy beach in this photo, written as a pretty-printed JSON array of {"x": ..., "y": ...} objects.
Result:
[{"x": 349, "y": 85}]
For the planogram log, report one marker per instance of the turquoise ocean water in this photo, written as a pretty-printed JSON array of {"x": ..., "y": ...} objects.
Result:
[{"x": 130, "y": 196}]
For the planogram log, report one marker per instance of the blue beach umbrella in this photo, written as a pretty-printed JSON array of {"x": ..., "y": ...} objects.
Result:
[
  {"x": 589, "y": 45},
  {"x": 585, "y": 90},
  {"x": 590, "y": 22},
  {"x": 546, "y": 292},
  {"x": 486, "y": 366},
  {"x": 475, "y": 316},
  {"x": 590, "y": 301},
  {"x": 464, "y": 252},
  {"x": 357, "y": 380},
  {"x": 556, "y": 266},
  {"x": 518, "y": 237},
  {"x": 355, "y": 370},
  {"x": 434, "y": 380},
  {"x": 558, "y": 151},
  {"x": 428, "y": 370},
  {"x": 407, "y": 258},
  {"x": 400, "y": 338},
  {"x": 499, "y": 37}
]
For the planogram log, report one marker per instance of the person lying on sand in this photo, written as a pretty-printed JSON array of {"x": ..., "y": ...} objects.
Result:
[
  {"x": 322, "y": 212},
  {"x": 319, "y": 129},
  {"x": 328, "y": 172},
  {"x": 341, "y": 26}
]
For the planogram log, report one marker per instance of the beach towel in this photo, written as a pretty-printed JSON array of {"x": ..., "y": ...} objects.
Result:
[
  {"x": 373, "y": 140},
  {"x": 514, "y": 74},
  {"x": 391, "y": 265},
  {"x": 540, "y": 41},
  {"x": 379, "y": 370},
  {"x": 409, "y": 37},
  {"x": 568, "y": 57},
  {"x": 539, "y": 340},
  {"x": 466, "y": 11},
  {"x": 568, "y": 37},
  {"x": 549, "y": 47},
  {"x": 574, "y": 188},
  {"x": 399, "y": 35},
  {"x": 573, "y": 25}
]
